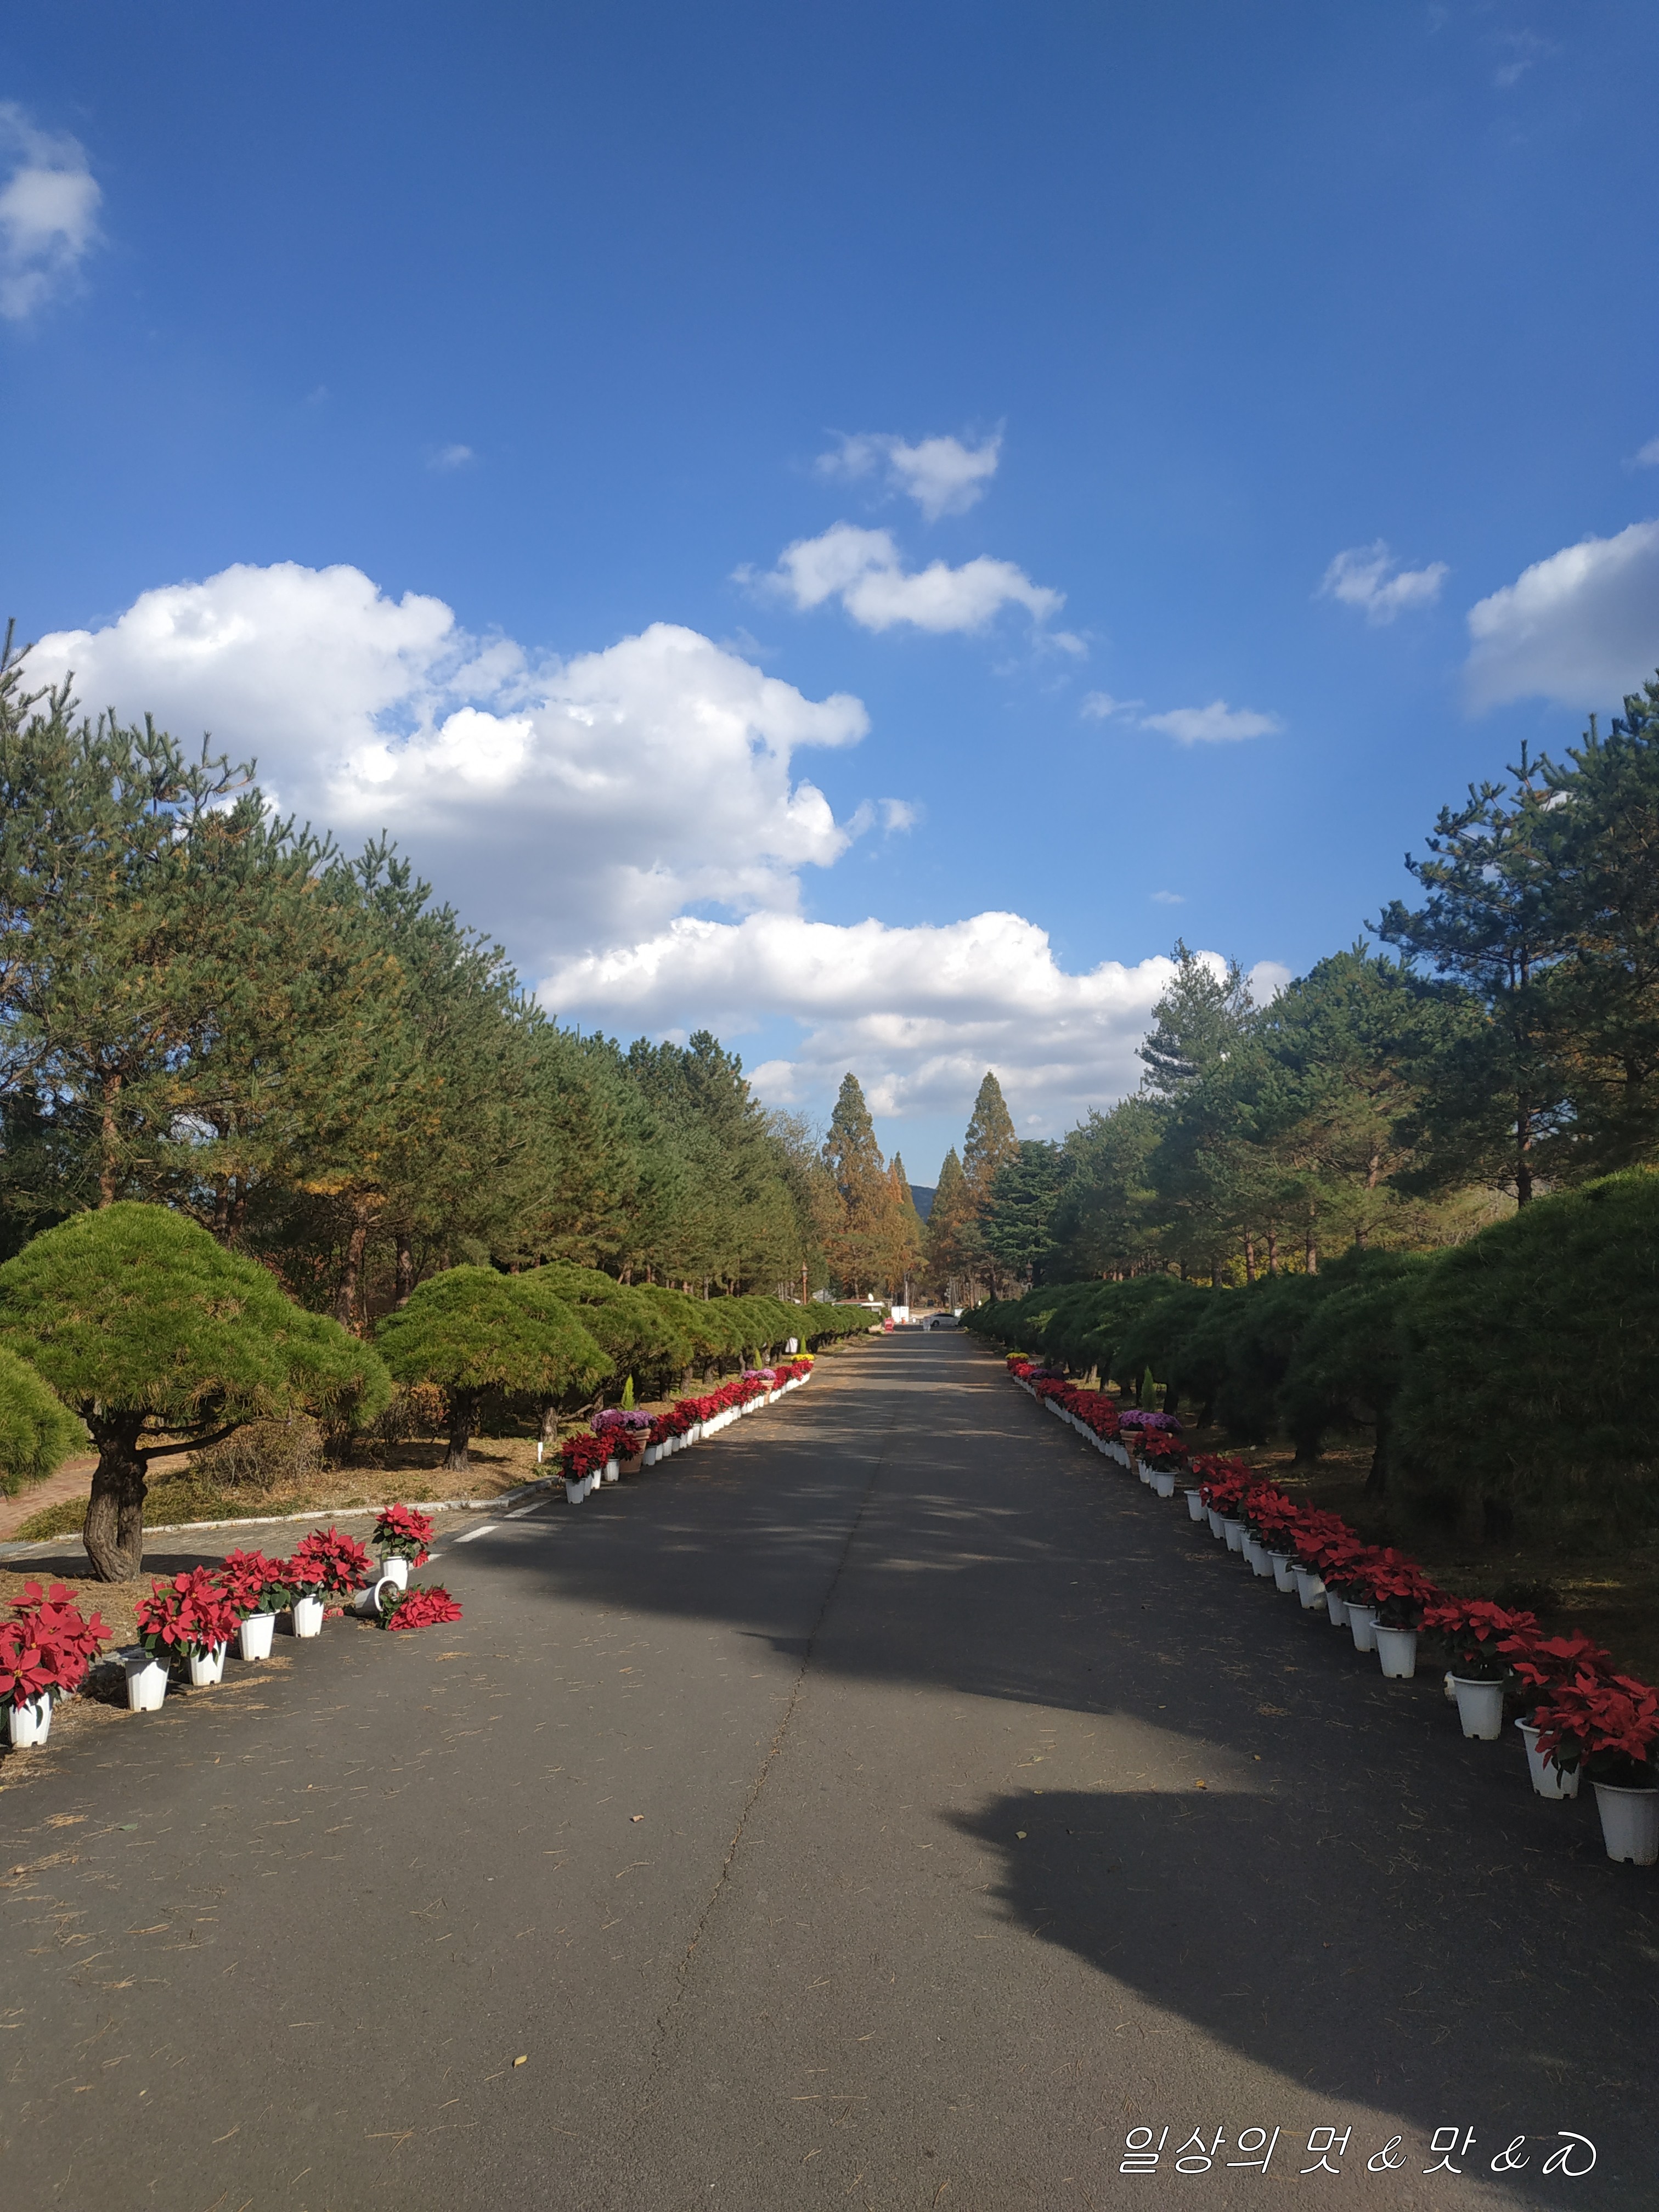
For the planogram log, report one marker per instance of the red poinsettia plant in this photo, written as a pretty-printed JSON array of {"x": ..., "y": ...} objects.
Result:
[
  {"x": 585, "y": 1454},
  {"x": 191, "y": 1613},
  {"x": 1608, "y": 1724},
  {"x": 1541, "y": 1662},
  {"x": 1477, "y": 1635},
  {"x": 1397, "y": 1587},
  {"x": 1222, "y": 1491},
  {"x": 254, "y": 1583},
  {"x": 402, "y": 1533},
  {"x": 47, "y": 1645},
  {"x": 329, "y": 1564},
  {"x": 1158, "y": 1448},
  {"x": 423, "y": 1605}
]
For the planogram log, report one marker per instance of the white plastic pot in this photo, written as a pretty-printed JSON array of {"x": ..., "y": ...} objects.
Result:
[
  {"x": 367, "y": 1603},
  {"x": 1217, "y": 1525},
  {"x": 1396, "y": 1650},
  {"x": 147, "y": 1685},
  {"x": 30, "y": 1722},
  {"x": 396, "y": 1568},
  {"x": 1164, "y": 1484},
  {"x": 1144, "y": 1469},
  {"x": 1284, "y": 1573},
  {"x": 307, "y": 1616},
  {"x": 253, "y": 1636},
  {"x": 1630, "y": 1822},
  {"x": 1480, "y": 1708},
  {"x": 1309, "y": 1587},
  {"x": 1336, "y": 1607},
  {"x": 613, "y": 1472},
  {"x": 1362, "y": 1621},
  {"x": 573, "y": 1492},
  {"x": 1195, "y": 1504},
  {"x": 1260, "y": 1562},
  {"x": 207, "y": 1666},
  {"x": 653, "y": 1454},
  {"x": 1234, "y": 1532},
  {"x": 1548, "y": 1779}
]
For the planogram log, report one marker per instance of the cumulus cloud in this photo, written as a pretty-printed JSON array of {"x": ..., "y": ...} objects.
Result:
[
  {"x": 920, "y": 1012},
  {"x": 48, "y": 213},
  {"x": 448, "y": 458},
  {"x": 1216, "y": 724},
  {"x": 630, "y": 822},
  {"x": 1361, "y": 578},
  {"x": 1581, "y": 627},
  {"x": 864, "y": 570},
  {"x": 573, "y": 793},
  {"x": 1100, "y": 705},
  {"x": 1648, "y": 456},
  {"x": 942, "y": 475}
]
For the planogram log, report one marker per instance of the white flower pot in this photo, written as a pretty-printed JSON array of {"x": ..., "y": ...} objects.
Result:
[
  {"x": 1362, "y": 1621},
  {"x": 1309, "y": 1587},
  {"x": 1164, "y": 1484},
  {"x": 1234, "y": 1532},
  {"x": 1336, "y": 1607},
  {"x": 653, "y": 1454},
  {"x": 1630, "y": 1822},
  {"x": 1217, "y": 1526},
  {"x": 1143, "y": 1468},
  {"x": 253, "y": 1636},
  {"x": 396, "y": 1568},
  {"x": 1260, "y": 1562},
  {"x": 1480, "y": 1708},
  {"x": 307, "y": 1616},
  {"x": 1284, "y": 1573},
  {"x": 30, "y": 1722},
  {"x": 1396, "y": 1650},
  {"x": 1195, "y": 1504},
  {"x": 207, "y": 1666},
  {"x": 613, "y": 1472},
  {"x": 1548, "y": 1779},
  {"x": 147, "y": 1685},
  {"x": 368, "y": 1601},
  {"x": 573, "y": 1492}
]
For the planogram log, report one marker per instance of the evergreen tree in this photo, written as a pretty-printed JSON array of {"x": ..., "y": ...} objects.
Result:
[
  {"x": 990, "y": 1142},
  {"x": 1017, "y": 1225},
  {"x": 947, "y": 1240}
]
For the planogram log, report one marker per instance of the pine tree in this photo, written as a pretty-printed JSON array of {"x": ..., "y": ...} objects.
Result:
[
  {"x": 860, "y": 1250},
  {"x": 990, "y": 1141},
  {"x": 949, "y": 1238}
]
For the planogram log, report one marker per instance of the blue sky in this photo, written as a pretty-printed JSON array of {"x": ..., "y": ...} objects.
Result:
[{"x": 426, "y": 399}]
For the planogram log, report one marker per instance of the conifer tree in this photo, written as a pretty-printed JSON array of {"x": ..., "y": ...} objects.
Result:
[
  {"x": 948, "y": 1237},
  {"x": 990, "y": 1142}
]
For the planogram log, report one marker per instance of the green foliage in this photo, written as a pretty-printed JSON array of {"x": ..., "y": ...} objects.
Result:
[
  {"x": 134, "y": 1313},
  {"x": 38, "y": 1432},
  {"x": 471, "y": 1329},
  {"x": 1017, "y": 1225},
  {"x": 1529, "y": 1359}
]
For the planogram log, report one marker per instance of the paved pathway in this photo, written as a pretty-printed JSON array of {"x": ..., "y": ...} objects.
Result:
[{"x": 887, "y": 1805}]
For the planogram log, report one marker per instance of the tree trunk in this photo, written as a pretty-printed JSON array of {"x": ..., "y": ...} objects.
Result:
[
  {"x": 1311, "y": 1251},
  {"x": 1376, "y": 1481},
  {"x": 1249, "y": 1258},
  {"x": 1272, "y": 1251},
  {"x": 463, "y": 1416},
  {"x": 1522, "y": 1150},
  {"x": 405, "y": 1267},
  {"x": 108, "y": 1170},
  {"x": 345, "y": 1298},
  {"x": 114, "y": 1532}
]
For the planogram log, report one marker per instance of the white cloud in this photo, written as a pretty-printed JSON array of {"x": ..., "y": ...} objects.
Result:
[
  {"x": 564, "y": 804},
  {"x": 450, "y": 457},
  {"x": 1526, "y": 49},
  {"x": 1581, "y": 627},
  {"x": 1648, "y": 456},
  {"x": 863, "y": 569},
  {"x": 48, "y": 213},
  {"x": 1100, "y": 705},
  {"x": 1360, "y": 578},
  {"x": 920, "y": 1013},
  {"x": 942, "y": 475},
  {"x": 1170, "y": 898},
  {"x": 1216, "y": 724},
  {"x": 591, "y": 812}
]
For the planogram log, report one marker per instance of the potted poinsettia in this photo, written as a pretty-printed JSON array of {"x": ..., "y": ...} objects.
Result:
[
  {"x": 327, "y": 1564},
  {"x": 1399, "y": 1591},
  {"x": 190, "y": 1617},
  {"x": 423, "y": 1605},
  {"x": 1474, "y": 1633},
  {"x": 1608, "y": 1726},
  {"x": 258, "y": 1588},
  {"x": 46, "y": 1647},
  {"x": 1540, "y": 1663},
  {"x": 402, "y": 1537}
]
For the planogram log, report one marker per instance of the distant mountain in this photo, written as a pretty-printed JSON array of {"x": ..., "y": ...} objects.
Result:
[{"x": 923, "y": 1194}]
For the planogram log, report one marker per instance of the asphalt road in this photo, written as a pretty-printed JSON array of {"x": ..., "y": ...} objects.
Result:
[{"x": 886, "y": 1804}]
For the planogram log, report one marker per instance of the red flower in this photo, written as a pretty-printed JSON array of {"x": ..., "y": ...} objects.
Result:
[
  {"x": 422, "y": 1606},
  {"x": 192, "y": 1613},
  {"x": 401, "y": 1533},
  {"x": 330, "y": 1564},
  {"x": 1609, "y": 1723}
]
